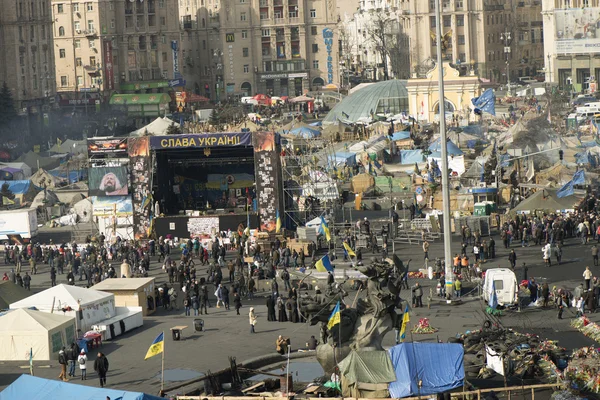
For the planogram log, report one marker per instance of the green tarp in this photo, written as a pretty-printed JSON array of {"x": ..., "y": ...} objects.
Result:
[
  {"x": 11, "y": 293},
  {"x": 368, "y": 367},
  {"x": 387, "y": 184}
]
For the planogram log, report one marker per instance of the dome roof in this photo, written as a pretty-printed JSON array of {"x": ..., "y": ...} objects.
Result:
[{"x": 361, "y": 103}]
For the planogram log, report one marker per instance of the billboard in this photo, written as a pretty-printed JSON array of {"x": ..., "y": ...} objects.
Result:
[
  {"x": 108, "y": 65},
  {"x": 201, "y": 140},
  {"x": 110, "y": 146},
  {"x": 266, "y": 162},
  {"x": 108, "y": 181},
  {"x": 120, "y": 206},
  {"x": 577, "y": 30}
]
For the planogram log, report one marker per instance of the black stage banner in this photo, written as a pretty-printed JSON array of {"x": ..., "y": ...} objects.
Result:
[
  {"x": 201, "y": 140},
  {"x": 108, "y": 146}
]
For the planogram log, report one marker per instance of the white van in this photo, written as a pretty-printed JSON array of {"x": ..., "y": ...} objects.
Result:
[{"x": 505, "y": 283}]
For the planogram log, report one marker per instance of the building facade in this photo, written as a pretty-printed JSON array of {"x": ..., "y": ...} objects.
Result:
[
  {"x": 492, "y": 37},
  {"x": 27, "y": 54},
  {"x": 572, "y": 40},
  {"x": 236, "y": 48},
  {"x": 103, "y": 46}
]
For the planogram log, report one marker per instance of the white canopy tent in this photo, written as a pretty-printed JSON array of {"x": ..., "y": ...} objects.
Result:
[
  {"x": 96, "y": 306},
  {"x": 24, "y": 330},
  {"x": 157, "y": 127}
]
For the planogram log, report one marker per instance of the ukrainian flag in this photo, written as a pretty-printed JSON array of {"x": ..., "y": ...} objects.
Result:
[
  {"x": 277, "y": 222},
  {"x": 324, "y": 229},
  {"x": 349, "y": 250},
  {"x": 335, "y": 316},
  {"x": 405, "y": 321},
  {"x": 324, "y": 264},
  {"x": 157, "y": 347}
]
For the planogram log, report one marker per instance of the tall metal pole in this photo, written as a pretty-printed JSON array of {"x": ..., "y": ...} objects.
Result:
[{"x": 443, "y": 139}]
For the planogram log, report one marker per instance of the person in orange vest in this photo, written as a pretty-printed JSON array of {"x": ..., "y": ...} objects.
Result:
[{"x": 464, "y": 262}]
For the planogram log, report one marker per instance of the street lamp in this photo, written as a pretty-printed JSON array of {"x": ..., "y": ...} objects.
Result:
[{"x": 507, "y": 40}]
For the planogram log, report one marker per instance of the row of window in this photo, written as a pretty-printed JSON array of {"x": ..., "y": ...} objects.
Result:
[
  {"x": 447, "y": 21},
  {"x": 60, "y": 8},
  {"x": 21, "y": 9},
  {"x": 499, "y": 19},
  {"x": 32, "y": 30},
  {"x": 458, "y": 4}
]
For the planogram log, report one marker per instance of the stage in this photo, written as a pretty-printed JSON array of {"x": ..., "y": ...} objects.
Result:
[{"x": 183, "y": 226}]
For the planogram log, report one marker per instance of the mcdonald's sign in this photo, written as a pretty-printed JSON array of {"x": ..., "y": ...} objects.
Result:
[{"x": 230, "y": 37}]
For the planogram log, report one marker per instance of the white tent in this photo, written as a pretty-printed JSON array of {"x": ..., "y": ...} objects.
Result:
[
  {"x": 314, "y": 223},
  {"x": 83, "y": 209},
  {"x": 45, "y": 334},
  {"x": 96, "y": 306},
  {"x": 48, "y": 199},
  {"x": 155, "y": 128},
  {"x": 70, "y": 146}
]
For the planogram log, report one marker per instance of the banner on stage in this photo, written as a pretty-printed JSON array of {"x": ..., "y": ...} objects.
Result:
[{"x": 201, "y": 140}]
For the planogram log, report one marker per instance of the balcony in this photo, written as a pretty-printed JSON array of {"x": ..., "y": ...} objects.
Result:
[
  {"x": 294, "y": 20},
  {"x": 294, "y": 37},
  {"x": 266, "y": 39},
  {"x": 128, "y": 11},
  {"x": 279, "y": 21},
  {"x": 187, "y": 25},
  {"x": 90, "y": 32},
  {"x": 263, "y": 4},
  {"x": 151, "y": 10},
  {"x": 139, "y": 9}
]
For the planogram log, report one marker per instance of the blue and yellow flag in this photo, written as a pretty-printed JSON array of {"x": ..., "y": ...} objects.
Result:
[
  {"x": 324, "y": 229},
  {"x": 349, "y": 250},
  {"x": 277, "y": 222},
  {"x": 157, "y": 347},
  {"x": 324, "y": 264},
  {"x": 405, "y": 321},
  {"x": 335, "y": 316}
]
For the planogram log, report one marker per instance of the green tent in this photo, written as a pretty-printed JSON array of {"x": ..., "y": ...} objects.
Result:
[
  {"x": 11, "y": 293},
  {"x": 366, "y": 374}
]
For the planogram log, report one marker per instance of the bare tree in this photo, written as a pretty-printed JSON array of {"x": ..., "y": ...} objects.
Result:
[{"x": 385, "y": 36}]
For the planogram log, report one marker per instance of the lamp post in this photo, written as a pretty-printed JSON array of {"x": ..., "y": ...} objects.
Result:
[{"x": 507, "y": 40}]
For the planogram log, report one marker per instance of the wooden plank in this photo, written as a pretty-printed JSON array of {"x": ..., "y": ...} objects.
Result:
[{"x": 251, "y": 388}]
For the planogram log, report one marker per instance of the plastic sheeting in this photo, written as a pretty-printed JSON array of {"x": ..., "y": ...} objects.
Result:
[
  {"x": 402, "y": 135},
  {"x": 34, "y": 388},
  {"x": 411, "y": 157},
  {"x": 438, "y": 366},
  {"x": 452, "y": 149}
]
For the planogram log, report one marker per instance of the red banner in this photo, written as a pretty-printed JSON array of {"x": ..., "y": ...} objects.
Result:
[{"x": 109, "y": 76}]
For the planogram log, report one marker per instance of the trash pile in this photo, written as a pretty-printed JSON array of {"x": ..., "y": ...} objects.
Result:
[
  {"x": 423, "y": 327},
  {"x": 512, "y": 353},
  {"x": 583, "y": 372},
  {"x": 587, "y": 327}
]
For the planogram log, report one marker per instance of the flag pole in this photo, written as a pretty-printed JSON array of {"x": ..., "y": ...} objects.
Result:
[{"x": 162, "y": 368}]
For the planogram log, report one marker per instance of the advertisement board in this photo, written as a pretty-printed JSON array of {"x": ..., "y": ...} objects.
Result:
[
  {"x": 577, "y": 30},
  {"x": 120, "y": 206},
  {"x": 108, "y": 181},
  {"x": 109, "y": 82},
  {"x": 266, "y": 161},
  {"x": 110, "y": 146}
]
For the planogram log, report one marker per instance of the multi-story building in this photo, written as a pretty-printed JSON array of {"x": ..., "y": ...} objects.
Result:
[
  {"x": 115, "y": 45},
  {"x": 27, "y": 64},
  {"x": 571, "y": 43},
  {"x": 489, "y": 37},
  {"x": 234, "y": 48}
]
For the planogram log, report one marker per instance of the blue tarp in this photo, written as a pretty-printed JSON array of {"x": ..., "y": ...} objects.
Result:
[
  {"x": 345, "y": 157},
  {"x": 582, "y": 158},
  {"x": 74, "y": 175},
  {"x": 453, "y": 149},
  {"x": 439, "y": 366},
  {"x": 17, "y": 187},
  {"x": 34, "y": 388},
  {"x": 411, "y": 156},
  {"x": 304, "y": 132},
  {"x": 472, "y": 129},
  {"x": 400, "y": 135}
]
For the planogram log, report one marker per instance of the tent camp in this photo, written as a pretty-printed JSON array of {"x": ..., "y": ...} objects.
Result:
[
  {"x": 19, "y": 170},
  {"x": 25, "y": 329},
  {"x": 437, "y": 367},
  {"x": 83, "y": 209},
  {"x": 96, "y": 306},
  {"x": 70, "y": 146},
  {"x": 157, "y": 127},
  {"x": 48, "y": 199},
  {"x": 43, "y": 178},
  {"x": 546, "y": 200},
  {"x": 35, "y": 161},
  {"x": 10, "y": 293},
  {"x": 366, "y": 374},
  {"x": 34, "y": 388}
]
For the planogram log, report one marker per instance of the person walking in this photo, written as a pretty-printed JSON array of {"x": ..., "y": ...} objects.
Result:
[
  {"x": 72, "y": 354},
  {"x": 101, "y": 367},
  {"x": 252, "y": 319},
  {"x": 587, "y": 276},
  {"x": 595, "y": 254},
  {"x": 418, "y": 295},
  {"x": 82, "y": 361},
  {"x": 512, "y": 258},
  {"x": 237, "y": 302},
  {"x": 62, "y": 361},
  {"x": 426, "y": 250}
]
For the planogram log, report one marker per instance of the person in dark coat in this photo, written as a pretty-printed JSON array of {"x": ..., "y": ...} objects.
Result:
[
  {"x": 237, "y": 302},
  {"x": 271, "y": 309},
  {"x": 282, "y": 316},
  {"x": 101, "y": 367},
  {"x": 295, "y": 316}
]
